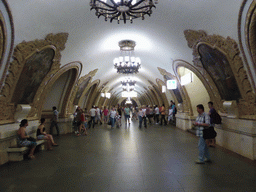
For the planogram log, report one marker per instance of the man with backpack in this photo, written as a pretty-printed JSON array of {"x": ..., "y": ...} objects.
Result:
[{"x": 214, "y": 119}]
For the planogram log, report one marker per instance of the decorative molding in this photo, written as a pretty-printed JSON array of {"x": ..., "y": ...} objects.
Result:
[
  {"x": 250, "y": 37},
  {"x": 22, "y": 53},
  {"x": 205, "y": 79},
  {"x": 65, "y": 108},
  {"x": 230, "y": 49},
  {"x": 6, "y": 40}
]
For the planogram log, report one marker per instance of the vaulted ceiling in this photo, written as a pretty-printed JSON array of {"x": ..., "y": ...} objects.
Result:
[{"x": 159, "y": 38}]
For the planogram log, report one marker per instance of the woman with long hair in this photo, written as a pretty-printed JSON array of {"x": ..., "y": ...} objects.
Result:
[
  {"x": 42, "y": 135},
  {"x": 23, "y": 139}
]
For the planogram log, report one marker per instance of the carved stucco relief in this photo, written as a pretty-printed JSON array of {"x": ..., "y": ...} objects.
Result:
[
  {"x": 22, "y": 52},
  {"x": 86, "y": 77},
  {"x": 230, "y": 49},
  {"x": 205, "y": 79}
]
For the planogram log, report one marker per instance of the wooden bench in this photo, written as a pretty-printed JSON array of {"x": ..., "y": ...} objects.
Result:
[{"x": 17, "y": 153}]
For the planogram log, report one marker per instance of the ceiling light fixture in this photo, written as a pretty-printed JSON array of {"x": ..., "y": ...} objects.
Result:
[
  {"x": 123, "y": 9},
  {"x": 127, "y": 63}
]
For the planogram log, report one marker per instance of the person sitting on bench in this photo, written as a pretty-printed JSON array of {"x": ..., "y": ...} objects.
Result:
[
  {"x": 42, "y": 135},
  {"x": 24, "y": 140}
]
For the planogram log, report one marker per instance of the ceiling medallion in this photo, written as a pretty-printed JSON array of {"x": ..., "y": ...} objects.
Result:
[
  {"x": 126, "y": 63},
  {"x": 123, "y": 9}
]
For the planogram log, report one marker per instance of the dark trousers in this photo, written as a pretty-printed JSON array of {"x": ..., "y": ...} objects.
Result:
[
  {"x": 163, "y": 118},
  {"x": 91, "y": 122},
  {"x": 149, "y": 118},
  {"x": 54, "y": 124},
  {"x": 157, "y": 118},
  {"x": 145, "y": 121}
]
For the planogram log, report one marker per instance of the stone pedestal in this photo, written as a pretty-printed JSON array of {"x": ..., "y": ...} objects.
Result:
[{"x": 184, "y": 121}]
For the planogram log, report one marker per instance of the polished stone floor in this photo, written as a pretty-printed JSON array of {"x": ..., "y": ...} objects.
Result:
[{"x": 160, "y": 158}]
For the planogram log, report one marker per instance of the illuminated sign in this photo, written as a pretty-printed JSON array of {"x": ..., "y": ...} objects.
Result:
[{"x": 171, "y": 84}]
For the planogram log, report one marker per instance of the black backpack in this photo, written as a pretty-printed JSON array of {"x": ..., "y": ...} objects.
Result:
[{"x": 216, "y": 118}]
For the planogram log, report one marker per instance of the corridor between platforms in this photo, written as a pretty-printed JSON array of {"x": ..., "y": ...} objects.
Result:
[{"x": 159, "y": 158}]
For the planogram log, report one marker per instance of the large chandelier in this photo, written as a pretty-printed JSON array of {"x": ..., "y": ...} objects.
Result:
[
  {"x": 127, "y": 63},
  {"x": 122, "y": 9}
]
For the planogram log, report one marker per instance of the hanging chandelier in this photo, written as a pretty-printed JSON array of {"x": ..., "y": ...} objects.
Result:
[
  {"x": 127, "y": 63},
  {"x": 127, "y": 82},
  {"x": 122, "y": 9}
]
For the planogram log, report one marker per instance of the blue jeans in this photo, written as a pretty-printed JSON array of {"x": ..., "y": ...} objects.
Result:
[
  {"x": 203, "y": 150},
  {"x": 112, "y": 120}
]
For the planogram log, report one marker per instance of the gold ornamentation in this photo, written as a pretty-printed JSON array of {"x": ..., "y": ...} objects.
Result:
[
  {"x": 21, "y": 53},
  {"x": 230, "y": 48}
]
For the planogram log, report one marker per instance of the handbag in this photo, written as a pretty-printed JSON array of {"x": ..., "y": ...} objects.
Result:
[{"x": 209, "y": 133}]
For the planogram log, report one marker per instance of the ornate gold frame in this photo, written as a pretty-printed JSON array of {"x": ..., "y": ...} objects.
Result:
[
  {"x": 3, "y": 37},
  {"x": 250, "y": 17},
  {"x": 21, "y": 53},
  {"x": 230, "y": 49}
]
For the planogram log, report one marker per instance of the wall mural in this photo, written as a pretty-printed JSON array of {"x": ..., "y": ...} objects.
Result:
[
  {"x": 80, "y": 90},
  {"x": 235, "y": 81},
  {"x": 218, "y": 67},
  {"x": 32, "y": 75}
]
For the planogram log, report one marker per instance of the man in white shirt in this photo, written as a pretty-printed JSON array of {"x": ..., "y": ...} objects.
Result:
[
  {"x": 157, "y": 114},
  {"x": 93, "y": 113}
]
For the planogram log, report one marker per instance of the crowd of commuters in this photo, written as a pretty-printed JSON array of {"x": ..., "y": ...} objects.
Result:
[{"x": 146, "y": 114}]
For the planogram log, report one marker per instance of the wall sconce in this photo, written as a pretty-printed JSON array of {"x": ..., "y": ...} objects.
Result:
[
  {"x": 108, "y": 95},
  {"x": 102, "y": 94},
  {"x": 186, "y": 79}
]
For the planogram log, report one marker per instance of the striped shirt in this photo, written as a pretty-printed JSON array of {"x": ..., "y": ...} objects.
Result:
[{"x": 202, "y": 118}]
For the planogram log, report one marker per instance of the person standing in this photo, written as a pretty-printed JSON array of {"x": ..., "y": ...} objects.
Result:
[
  {"x": 93, "y": 113},
  {"x": 140, "y": 114},
  {"x": 54, "y": 121},
  {"x": 144, "y": 117},
  {"x": 212, "y": 112},
  {"x": 112, "y": 115},
  {"x": 162, "y": 111},
  {"x": 98, "y": 116},
  {"x": 202, "y": 121},
  {"x": 157, "y": 114},
  {"x": 127, "y": 114},
  {"x": 105, "y": 113}
]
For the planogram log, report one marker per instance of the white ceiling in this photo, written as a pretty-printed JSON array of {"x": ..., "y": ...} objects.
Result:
[{"x": 94, "y": 42}]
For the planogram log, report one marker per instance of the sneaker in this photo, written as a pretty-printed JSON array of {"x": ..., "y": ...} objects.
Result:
[{"x": 199, "y": 162}]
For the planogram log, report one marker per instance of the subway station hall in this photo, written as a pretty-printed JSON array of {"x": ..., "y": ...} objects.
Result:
[{"x": 127, "y": 95}]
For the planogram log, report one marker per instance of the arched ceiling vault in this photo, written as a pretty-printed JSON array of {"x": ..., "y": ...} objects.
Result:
[{"x": 94, "y": 42}]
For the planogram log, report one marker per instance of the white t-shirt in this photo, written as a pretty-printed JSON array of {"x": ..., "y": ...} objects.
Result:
[
  {"x": 98, "y": 111},
  {"x": 93, "y": 112},
  {"x": 157, "y": 110},
  {"x": 112, "y": 114}
]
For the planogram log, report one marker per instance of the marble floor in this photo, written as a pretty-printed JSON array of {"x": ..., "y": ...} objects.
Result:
[{"x": 159, "y": 158}]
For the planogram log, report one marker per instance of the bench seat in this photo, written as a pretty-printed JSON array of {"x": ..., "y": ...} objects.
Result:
[{"x": 17, "y": 153}]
